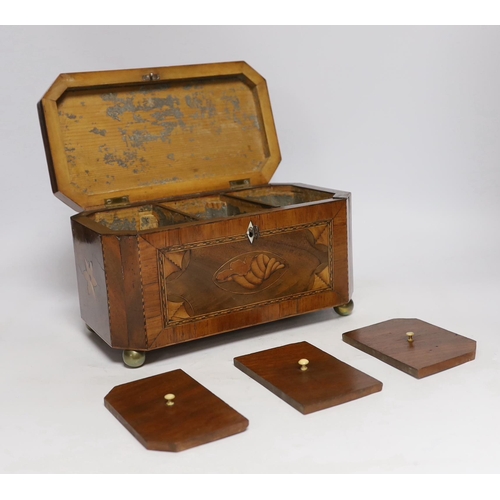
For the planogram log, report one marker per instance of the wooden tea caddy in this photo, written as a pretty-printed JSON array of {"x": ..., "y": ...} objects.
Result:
[{"x": 181, "y": 236}]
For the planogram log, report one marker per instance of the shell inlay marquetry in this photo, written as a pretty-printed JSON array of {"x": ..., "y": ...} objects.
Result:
[{"x": 250, "y": 272}]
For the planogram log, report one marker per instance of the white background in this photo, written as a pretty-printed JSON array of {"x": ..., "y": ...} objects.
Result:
[{"x": 408, "y": 120}]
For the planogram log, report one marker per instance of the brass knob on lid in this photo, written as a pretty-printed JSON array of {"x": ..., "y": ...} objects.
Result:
[
  {"x": 409, "y": 336},
  {"x": 303, "y": 364},
  {"x": 170, "y": 399}
]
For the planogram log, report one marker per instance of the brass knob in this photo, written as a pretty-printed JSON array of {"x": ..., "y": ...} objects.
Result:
[
  {"x": 170, "y": 399},
  {"x": 303, "y": 364},
  {"x": 409, "y": 336}
]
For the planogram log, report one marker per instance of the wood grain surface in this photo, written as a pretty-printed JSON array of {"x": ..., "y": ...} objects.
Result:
[
  {"x": 327, "y": 381},
  {"x": 91, "y": 279},
  {"x": 148, "y": 133},
  {"x": 197, "y": 416},
  {"x": 432, "y": 350}
]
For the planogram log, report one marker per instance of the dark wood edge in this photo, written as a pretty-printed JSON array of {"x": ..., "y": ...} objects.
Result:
[
  {"x": 414, "y": 372},
  {"x": 127, "y": 426},
  {"x": 335, "y": 192},
  {"x": 446, "y": 365},
  {"x": 350, "y": 252},
  {"x": 46, "y": 146},
  {"x": 267, "y": 385},
  {"x": 376, "y": 354}
]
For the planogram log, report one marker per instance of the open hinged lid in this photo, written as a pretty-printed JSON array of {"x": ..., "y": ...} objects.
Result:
[{"x": 137, "y": 135}]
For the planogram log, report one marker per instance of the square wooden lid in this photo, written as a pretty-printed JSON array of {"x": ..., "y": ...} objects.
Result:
[
  {"x": 144, "y": 134},
  {"x": 432, "y": 350},
  {"x": 196, "y": 417},
  {"x": 326, "y": 382}
]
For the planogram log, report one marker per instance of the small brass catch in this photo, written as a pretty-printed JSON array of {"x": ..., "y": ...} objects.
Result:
[
  {"x": 119, "y": 200},
  {"x": 151, "y": 77},
  {"x": 240, "y": 183}
]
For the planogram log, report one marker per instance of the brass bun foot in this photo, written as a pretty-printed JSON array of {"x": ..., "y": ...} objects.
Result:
[
  {"x": 345, "y": 310},
  {"x": 134, "y": 359}
]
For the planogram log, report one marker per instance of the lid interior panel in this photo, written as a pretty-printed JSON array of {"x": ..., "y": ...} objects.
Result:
[{"x": 164, "y": 138}]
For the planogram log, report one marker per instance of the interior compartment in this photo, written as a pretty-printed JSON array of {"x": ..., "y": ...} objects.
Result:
[
  {"x": 138, "y": 218},
  {"x": 167, "y": 213},
  {"x": 280, "y": 196},
  {"x": 210, "y": 207}
]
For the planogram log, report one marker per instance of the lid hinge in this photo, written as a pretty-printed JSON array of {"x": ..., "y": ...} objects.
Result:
[
  {"x": 118, "y": 201},
  {"x": 240, "y": 183}
]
